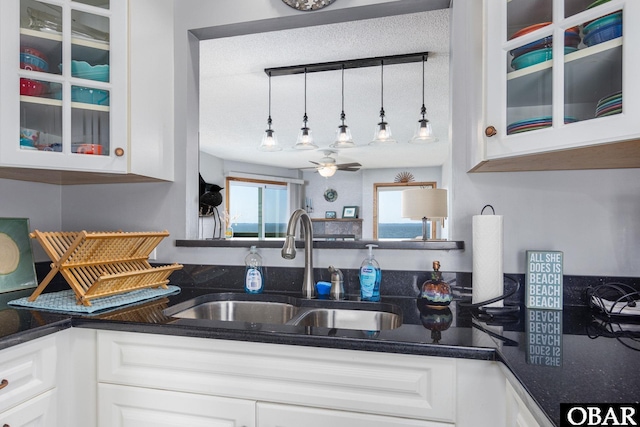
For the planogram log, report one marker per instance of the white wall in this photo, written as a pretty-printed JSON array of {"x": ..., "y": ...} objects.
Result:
[
  {"x": 38, "y": 202},
  {"x": 590, "y": 215}
]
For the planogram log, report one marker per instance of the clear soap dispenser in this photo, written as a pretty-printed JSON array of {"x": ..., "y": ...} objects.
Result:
[
  {"x": 253, "y": 279},
  {"x": 370, "y": 276}
]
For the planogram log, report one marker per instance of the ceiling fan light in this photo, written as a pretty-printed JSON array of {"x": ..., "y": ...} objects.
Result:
[
  {"x": 327, "y": 170},
  {"x": 423, "y": 133},
  {"x": 269, "y": 141}
]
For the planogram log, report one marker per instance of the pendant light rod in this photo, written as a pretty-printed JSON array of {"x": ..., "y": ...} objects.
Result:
[
  {"x": 269, "y": 122},
  {"x": 342, "y": 115},
  {"x": 423, "y": 110},
  {"x": 348, "y": 63}
]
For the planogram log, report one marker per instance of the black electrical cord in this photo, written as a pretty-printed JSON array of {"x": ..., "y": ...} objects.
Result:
[{"x": 507, "y": 313}]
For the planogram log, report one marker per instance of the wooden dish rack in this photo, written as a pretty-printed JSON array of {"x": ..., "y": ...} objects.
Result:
[{"x": 100, "y": 264}]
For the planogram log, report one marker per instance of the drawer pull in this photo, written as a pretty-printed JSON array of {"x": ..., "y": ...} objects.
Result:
[
  {"x": 3, "y": 383},
  {"x": 490, "y": 131}
]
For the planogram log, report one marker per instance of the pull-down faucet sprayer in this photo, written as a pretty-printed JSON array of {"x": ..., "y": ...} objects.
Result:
[{"x": 289, "y": 249}]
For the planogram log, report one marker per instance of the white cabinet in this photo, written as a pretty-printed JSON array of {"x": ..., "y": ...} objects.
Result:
[
  {"x": 518, "y": 415},
  {"x": 559, "y": 87},
  {"x": 27, "y": 373},
  {"x": 121, "y": 406},
  {"x": 366, "y": 383},
  {"x": 41, "y": 411},
  {"x": 79, "y": 102},
  {"x": 274, "y": 415}
]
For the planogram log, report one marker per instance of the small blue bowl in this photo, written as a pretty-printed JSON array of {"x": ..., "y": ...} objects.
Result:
[
  {"x": 603, "y": 34},
  {"x": 596, "y": 24},
  {"x": 27, "y": 60},
  {"x": 535, "y": 57}
]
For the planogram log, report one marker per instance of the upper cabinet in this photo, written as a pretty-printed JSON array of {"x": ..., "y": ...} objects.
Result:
[
  {"x": 64, "y": 74},
  {"x": 560, "y": 91}
]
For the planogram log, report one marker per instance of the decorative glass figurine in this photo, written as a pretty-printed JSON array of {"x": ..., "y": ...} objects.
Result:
[{"x": 436, "y": 293}]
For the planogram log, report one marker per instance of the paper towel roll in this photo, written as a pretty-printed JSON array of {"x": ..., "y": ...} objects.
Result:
[{"x": 487, "y": 277}]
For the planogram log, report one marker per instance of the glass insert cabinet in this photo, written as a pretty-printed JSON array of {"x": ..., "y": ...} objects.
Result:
[
  {"x": 63, "y": 81},
  {"x": 560, "y": 74}
]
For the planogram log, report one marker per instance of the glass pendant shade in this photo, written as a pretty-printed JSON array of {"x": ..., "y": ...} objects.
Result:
[
  {"x": 423, "y": 133},
  {"x": 305, "y": 139},
  {"x": 269, "y": 141},
  {"x": 343, "y": 138},
  {"x": 382, "y": 134}
]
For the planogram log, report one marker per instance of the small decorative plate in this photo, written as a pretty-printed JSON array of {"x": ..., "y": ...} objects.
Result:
[
  {"x": 308, "y": 5},
  {"x": 331, "y": 195}
]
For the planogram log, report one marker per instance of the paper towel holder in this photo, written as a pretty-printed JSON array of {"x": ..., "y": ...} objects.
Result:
[{"x": 487, "y": 206}]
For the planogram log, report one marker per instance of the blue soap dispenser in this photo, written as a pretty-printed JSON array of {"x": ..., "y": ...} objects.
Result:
[
  {"x": 253, "y": 279},
  {"x": 370, "y": 276}
]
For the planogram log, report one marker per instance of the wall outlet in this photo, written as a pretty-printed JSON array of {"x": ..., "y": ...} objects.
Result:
[{"x": 153, "y": 254}]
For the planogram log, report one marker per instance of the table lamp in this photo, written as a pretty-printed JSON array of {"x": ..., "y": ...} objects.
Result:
[{"x": 424, "y": 204}]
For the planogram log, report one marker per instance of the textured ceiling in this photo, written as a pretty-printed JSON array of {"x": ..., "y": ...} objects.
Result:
[{"x": 234, "y": 91}]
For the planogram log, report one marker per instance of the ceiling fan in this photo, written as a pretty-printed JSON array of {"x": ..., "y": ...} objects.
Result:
[{"x": 327, "y": 166}]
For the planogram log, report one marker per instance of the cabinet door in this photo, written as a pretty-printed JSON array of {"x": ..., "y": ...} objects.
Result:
[
  {"x": 558, "y": 74},
  {"x": 120, "y": 406},
  {"x": 37, "y": 412},
  {"x": 63, "y": 84},
  {"x": 273, "y": 415},
  {"x": 27, "y": 370},
  {"x": 518, "y": 415}
]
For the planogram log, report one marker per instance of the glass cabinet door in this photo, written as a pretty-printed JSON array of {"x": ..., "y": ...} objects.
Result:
[
  {"x": 65, "y": 77},
  {"x": 537, "y": 102}
]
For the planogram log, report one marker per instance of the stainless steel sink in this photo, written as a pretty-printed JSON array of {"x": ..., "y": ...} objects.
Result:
[
  {"x": 241, "y": 311},
  {"x": 365, "y": 320},
  {"x": 282, "y": 310}
]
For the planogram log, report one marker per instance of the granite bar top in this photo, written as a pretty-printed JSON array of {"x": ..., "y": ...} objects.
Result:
[{"x": 566, "y": 356}]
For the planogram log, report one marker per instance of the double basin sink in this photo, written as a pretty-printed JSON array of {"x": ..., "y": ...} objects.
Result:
[{"x": 284, "y": 310}]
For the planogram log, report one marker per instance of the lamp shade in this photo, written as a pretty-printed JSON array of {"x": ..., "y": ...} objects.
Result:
[{"x": 424, "y": 203}]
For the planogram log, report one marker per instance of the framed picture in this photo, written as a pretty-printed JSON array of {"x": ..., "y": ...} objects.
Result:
[
  {"x": 350, "y": 212},
  {"x": 330, "y": 214},
  {"x": 17, "y": 270}
]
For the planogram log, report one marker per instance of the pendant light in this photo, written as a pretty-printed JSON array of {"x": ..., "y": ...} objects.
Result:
[
  {"x": 383, "y": 130},
  {"x": 424, "y": 131},
  {"x": 269, "y": 139},
  {"x": 305, "y": 139},
  {"x": 343, "y": 134}
]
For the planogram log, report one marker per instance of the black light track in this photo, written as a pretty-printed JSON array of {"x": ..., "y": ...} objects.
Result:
[{"x": 349, "y": 63}]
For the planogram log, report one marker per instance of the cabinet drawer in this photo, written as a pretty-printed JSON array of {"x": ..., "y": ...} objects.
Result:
[
  {"x": 38, "y": 412},
  {"x": 369, "y": 382},
  {"x": 28, "y": 370},
  {"x": 274, "y": 415},
  {"x": 121, "y": 406}
]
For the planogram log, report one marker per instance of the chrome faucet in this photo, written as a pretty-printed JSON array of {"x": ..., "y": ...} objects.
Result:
[{"x": 289, "y": 249}]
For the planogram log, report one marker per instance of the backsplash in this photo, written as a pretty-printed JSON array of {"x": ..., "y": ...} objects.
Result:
[{"x": 394, "y": 282}]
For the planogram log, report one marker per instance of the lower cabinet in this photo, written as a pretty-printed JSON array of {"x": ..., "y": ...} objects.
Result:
[
  {"x": 27, "y": 384},
  {"x": 40, "y": 411},
  {"x": 341, "y": 387},
  {"x": 518, "y": 413},
  {"x": 274, "y": 415},
  {"x": 123, "y": 406}
]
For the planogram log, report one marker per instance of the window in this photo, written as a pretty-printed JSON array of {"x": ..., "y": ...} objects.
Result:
[
  {"x": 388, "y": 222},
  {"x": 257, "y": 208}
]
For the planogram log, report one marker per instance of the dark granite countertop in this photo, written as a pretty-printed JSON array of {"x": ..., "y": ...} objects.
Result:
[{"x": 558, "y": 356}]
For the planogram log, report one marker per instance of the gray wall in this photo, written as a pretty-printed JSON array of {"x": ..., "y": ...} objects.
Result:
[{"x": 590, "y": 215}]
